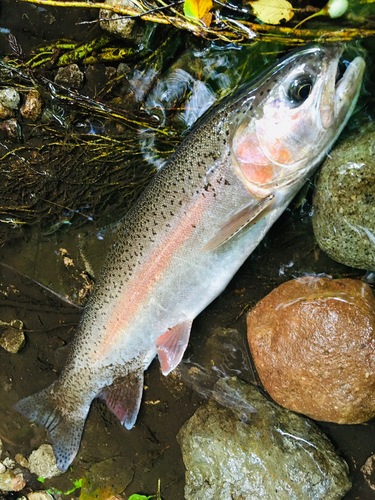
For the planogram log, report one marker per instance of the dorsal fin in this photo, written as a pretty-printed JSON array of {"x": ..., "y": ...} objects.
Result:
[{"x": 248, "y": 215}]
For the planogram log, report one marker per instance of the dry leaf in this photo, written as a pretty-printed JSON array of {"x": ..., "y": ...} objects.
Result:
[
  {"x": 199, "y": 9},
  {"x": 272, "y": 11}
]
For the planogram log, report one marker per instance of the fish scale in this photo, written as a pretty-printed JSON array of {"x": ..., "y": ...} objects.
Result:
[{"x": 178, "y": 247}]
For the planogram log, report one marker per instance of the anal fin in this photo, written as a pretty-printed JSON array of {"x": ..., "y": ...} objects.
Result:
[
  {"x": 172, "y": 344},
  {"x": 248, "y": 215},
  {"x": 124, "y": 396}
]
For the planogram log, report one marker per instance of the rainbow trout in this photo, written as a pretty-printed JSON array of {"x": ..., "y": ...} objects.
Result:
[{"x": 196, "y": 223}]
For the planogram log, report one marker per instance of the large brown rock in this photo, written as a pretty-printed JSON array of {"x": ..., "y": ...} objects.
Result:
[{"x": 313, "y": 343}]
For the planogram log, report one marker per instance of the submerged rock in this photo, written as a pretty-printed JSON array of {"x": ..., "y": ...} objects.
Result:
[
  {"x": 313, "y": 343},
  {"x": 9, "y": 98},
  {"x": 276, "y": 454},
  {"x": 12, "y": 340},
  {"x": 42, "y": 462},
  {"x": 5, "y": 112},
  {"x": 70, "y": 76},
  {"x": 32, "y": 109},
  {"x": 344, "y": 202},
  {"x": 120, "y": 25}
]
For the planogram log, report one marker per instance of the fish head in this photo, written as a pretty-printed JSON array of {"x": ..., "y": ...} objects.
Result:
[{"x": 288, "y": 121}]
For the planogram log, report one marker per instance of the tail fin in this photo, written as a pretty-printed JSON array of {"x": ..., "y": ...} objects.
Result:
[{"x": 65, "y": 434}]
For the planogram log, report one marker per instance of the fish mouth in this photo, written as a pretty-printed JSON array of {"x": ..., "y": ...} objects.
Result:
[
  {"x": 351, "y": 77},
  {"x": 340, "y": 93}
]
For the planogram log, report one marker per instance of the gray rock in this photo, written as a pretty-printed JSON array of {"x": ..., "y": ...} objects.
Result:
[
  {"x": 9, "y": 98},
  {"x": 70, "y": 76},
  {"x": 276, "y": 454},
  {"x": 42, "y": 462},
  {"x": 119, "y": 25},
  {"x": 344, "y": 203}
]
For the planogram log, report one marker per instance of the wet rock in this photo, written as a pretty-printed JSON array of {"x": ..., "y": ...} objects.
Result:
[
  {"x": 9, "y": 98},
  {"x": 9, "y": 481},
  {"x": 368, "y": 471},
  {"x": 5, "y": 112},
  {"x": 11, "y": 129},
  {"x": 12, "y": 340},
  {"x": 9, "y": 463},
  {"x": 22, "y": 461},
  {"x": 32, "y": 109},
  {"x": 313, "y": 343},
  {"x": 42, "y": 462},
  {"x": 124, "y": 27},
  {"x": 344, "y": 203},
  {"x": 275, "y": 455},
  {"x": 70, "y": 76},
  {"x": 112, "y": 476},
  {"x": 39, "y": 495}
]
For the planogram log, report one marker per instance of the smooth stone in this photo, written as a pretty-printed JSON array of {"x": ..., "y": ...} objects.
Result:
[
  {"x": 39, "y": 495},
  {"x": 344, "y": 202},
  {"x": 275, "y": 454}
]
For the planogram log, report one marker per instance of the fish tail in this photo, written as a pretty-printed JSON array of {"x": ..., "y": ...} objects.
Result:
[{"x": 64, "y": 433}]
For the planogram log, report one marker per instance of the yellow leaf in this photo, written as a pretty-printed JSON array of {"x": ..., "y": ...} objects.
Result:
[
  {"x": 272, "y": 11},
  {"x": 199, "y": 9}
]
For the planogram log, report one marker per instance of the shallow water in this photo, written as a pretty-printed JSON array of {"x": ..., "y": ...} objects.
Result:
[{"x": 149, "y": 451}]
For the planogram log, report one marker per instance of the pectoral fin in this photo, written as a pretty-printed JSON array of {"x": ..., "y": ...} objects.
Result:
[
  {"x": 245, "y": 217},
  {"x": 124, "y": 396},
  {"x": 171, "y": 346}
]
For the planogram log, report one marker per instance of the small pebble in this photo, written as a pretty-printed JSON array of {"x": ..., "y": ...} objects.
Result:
[
  {"x": 70, "y": 76},
  {"x": 42, "y": 462},
  {"x": 5, "y": 112},
  {"x": 9, "y": 463},
  {"x": 32, "y": 109},
  {"x": 9, "y": 98},
  {"x": 18, "y": 483},
  {"x": 12, "y": 340},
  {"x": 22, "y": 461},
  {"x": 10, "y": 482},
  {"x": 2, "y": 468},
  {"x": 39, "y": 495},
  {"x": 11, "y": 129}
]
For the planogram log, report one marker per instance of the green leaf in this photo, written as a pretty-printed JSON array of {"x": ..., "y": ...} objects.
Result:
[
  {"x": 272, "y": 11},
  {"x": 199, "y": 9},
  {"x": 140, "y": 497},
  {"x": 41, "y": 479}
]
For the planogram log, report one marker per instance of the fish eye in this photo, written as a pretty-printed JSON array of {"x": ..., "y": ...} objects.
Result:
[{"x": 299, "y": 90}]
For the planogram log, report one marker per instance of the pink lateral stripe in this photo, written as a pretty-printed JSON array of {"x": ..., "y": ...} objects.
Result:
[{"x": 138, "y": 288}]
